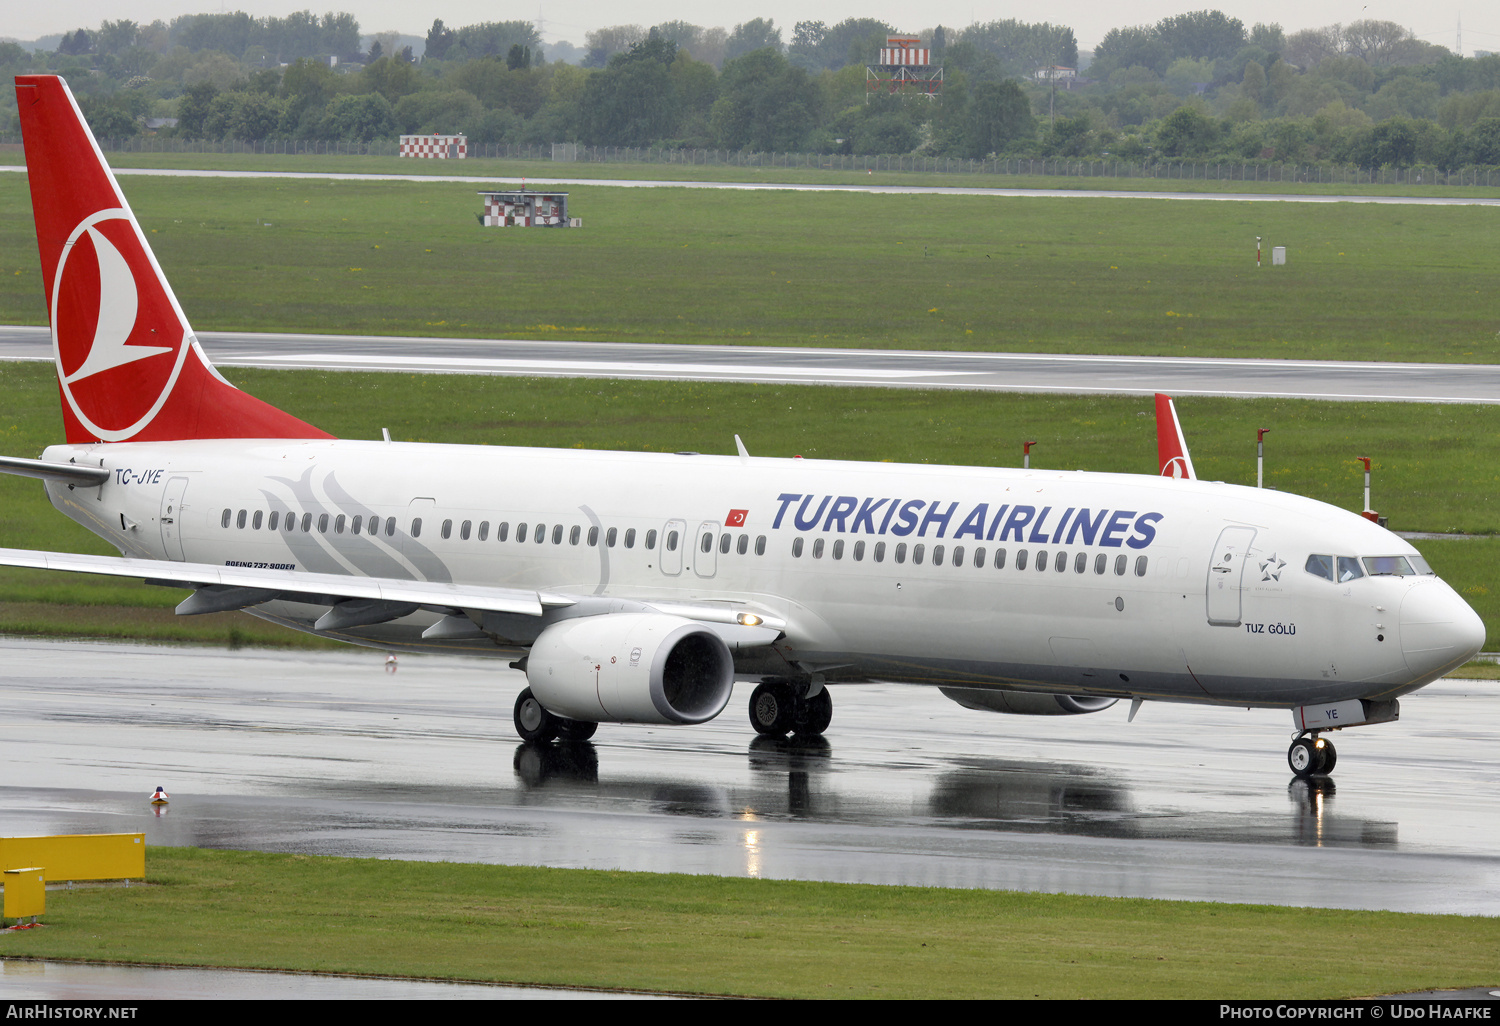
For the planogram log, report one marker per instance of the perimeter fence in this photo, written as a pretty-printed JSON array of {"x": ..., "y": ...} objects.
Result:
[{"x": 1167, "y": 170}]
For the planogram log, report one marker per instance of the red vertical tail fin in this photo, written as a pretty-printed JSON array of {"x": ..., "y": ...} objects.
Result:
[
  {"x": 1171, "y": 447},
  {"x": 128, "y": 365}
]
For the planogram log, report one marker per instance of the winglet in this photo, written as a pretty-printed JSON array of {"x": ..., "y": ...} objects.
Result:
[
  {"x": 1171, "y": 447},
  {"x": 128, "y": 365}
]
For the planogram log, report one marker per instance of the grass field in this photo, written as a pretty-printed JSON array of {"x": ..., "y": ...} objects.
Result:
[
  {"x": 925, "y": 272},
  {"x": 1435, "y": 466},
  {"x": 720, "y": 936}
]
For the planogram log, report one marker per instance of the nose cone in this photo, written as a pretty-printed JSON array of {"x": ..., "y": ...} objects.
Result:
[{"x": 1438, "y": 629}]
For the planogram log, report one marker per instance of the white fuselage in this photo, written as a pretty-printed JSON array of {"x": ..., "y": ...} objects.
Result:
[{"x": 1111, "y": 584}]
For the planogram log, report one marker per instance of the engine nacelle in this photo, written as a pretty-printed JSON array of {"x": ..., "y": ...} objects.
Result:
[
  {"x": 631, "y": 668},
  {"x": 1027, "y": 703}
]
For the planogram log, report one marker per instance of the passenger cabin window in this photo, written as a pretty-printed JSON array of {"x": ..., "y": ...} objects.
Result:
[
  {"x": 880, "y": 552},
  {"x": 838, "y": 548},
  {"x": 859, "y": 551},
  {"x": 338, "y": 524},
  {"x": 593, "y": 537},
  {"x": 726, "y": 540},
  {"x": 447, "y": 531},
  {"x": 502, "y": 530},
  {"x": 611, "y": 536},
  {"x": 557, "y": 534},
  {"x": 520, "y": 533},
  {"x": 817, "y": 548},
  {"x": 743, "y": 546},
  {"x": 271, "y": 524},
  {"x": 416, "y": 527},
  {"x": 1020, "y": 559},
  {"x": 307, "y": 523},
  {"x": 540, "y": 535},
  {"x": 323, "y": 523},
  {"x": 1000, "y": 560},
  {"x": 484, "y": 530},
  {"x": 797, "y": 547},
  {"x": 760, "y": 545},
  {"x": 1120, "y": 565},
  {"x": 650, "y": 539},
  {"x": 224, "y": 520},
  {"x": 671, "y": 541},
  {"x": 1140, "y": 566},
  {"x": 575, "y": 535},
  {"x": 465, "y": 529}
]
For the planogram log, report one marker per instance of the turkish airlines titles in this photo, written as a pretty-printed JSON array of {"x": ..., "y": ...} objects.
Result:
[{"x": 848, "y": 514}]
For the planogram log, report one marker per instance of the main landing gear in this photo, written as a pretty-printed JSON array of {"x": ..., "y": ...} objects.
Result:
[
  {"x": 1311, "y": 756},
  {"x": 534, "y": 723},
  {"x": 778, "y": 708}
]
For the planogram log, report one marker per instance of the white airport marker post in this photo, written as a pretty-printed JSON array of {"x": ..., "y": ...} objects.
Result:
[
  {"x": 1260, "y": 456},
  {"x": 1026, "y": 454},
  {"x": 1257, "y": 251},
  {"x": 1367, "y": 513}
]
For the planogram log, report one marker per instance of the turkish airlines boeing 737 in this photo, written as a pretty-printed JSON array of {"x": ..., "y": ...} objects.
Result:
[{"x": 638, "y": 587}]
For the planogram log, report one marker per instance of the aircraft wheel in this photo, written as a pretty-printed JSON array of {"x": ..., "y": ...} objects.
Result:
[
  {"x": 772, "y": 706},
  {"x": 814, "y": 714},
  {"x": 575, "y": 730},
  {"x": 1304, "y": 758},
  {"x": 533, "y": 722},
  {"x": 1330, "y": 758}
]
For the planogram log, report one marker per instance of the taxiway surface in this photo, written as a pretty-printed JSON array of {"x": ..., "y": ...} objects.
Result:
[
  {"x": 1007, "y": 372},
  {"x": 326, "y": 753},
  {"x": 544, "y": 179}
]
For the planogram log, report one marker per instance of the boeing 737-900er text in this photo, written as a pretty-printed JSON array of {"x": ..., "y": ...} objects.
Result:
[{"x": 638, "y": 587}]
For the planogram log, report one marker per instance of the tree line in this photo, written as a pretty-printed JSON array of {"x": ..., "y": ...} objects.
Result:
[{"x": 1198, "y": 85}]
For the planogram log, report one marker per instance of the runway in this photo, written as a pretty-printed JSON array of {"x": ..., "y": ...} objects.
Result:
[
  {"x": 1007, "y": 372},
  {"x": 545, "y": 179},
  {"x": 325, "y": 753}
]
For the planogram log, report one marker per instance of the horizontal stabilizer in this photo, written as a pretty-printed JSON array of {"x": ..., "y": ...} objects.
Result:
[{"x": 72, "y": 473}]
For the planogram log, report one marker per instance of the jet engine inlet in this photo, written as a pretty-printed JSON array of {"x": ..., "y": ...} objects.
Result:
[{"x": 631, "y": 668}]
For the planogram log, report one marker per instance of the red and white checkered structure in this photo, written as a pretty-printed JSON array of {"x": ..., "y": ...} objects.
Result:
[
  {"x": 439, "y": 147},
  {"x": 524, "y": 209}
]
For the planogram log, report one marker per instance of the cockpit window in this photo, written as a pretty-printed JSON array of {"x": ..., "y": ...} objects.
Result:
[
  {"x": 1349, "y": 569},
  {"x": 1400, "y": 566},
  {"x": 1320, "y": 566}
]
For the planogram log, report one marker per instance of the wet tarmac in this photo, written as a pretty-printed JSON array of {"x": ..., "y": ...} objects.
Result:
[
  {"x": 1343, "y": 380},
  {"x": 326, "y": 753},
  {"x": 28, "y": 980}
]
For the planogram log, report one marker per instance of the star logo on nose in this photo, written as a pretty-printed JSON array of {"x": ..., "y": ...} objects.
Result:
[{"x": 1270, "y": 568}]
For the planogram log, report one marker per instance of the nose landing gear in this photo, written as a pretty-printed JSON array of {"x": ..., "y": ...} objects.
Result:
[{"x": 1311, "y": 756}]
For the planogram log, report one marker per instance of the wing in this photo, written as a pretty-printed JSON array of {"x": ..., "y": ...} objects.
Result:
[{"x": 362, "y": 601}]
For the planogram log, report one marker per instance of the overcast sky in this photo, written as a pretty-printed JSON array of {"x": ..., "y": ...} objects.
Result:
[{"x": 1436, "y": 22}]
